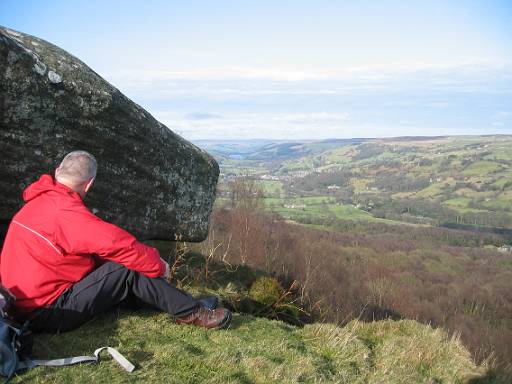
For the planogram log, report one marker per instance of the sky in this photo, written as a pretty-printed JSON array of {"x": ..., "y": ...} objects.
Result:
[{"x": 294, "y": 69}]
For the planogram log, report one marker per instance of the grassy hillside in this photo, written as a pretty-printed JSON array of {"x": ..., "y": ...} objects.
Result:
[
  {"x": 256, "y": 350},
  {"x": 459, "y": 280}
]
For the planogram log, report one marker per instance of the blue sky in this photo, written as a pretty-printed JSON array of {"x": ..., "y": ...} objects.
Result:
[{"x": 294, "y": 69}]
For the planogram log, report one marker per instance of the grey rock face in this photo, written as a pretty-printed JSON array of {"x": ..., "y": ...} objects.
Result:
[{"x": 150, "y": 181}]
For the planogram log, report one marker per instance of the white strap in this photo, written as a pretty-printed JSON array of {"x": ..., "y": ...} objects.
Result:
[
  {"x": 121, "y": 360},
  {"x": 56, "y": 362}
]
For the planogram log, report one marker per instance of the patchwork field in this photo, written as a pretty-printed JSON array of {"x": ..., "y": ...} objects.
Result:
[{"x": 437, "y": 181}]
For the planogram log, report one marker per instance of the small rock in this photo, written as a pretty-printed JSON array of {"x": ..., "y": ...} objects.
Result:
[
  {"x": 13, "y": 33},
  {"x": 39, "y": 68},
  {"x": 12, "y": 57},
  {"x": 55, "y": 78}
]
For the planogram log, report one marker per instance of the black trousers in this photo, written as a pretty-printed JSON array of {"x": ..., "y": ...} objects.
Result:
[{"x": 107, "y": 286}]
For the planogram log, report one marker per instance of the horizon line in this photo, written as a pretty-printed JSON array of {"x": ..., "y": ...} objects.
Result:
[{"x": 355, "y": 138}]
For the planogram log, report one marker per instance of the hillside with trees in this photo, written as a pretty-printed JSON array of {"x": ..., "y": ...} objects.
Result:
[{"x": 385, "y": 229}]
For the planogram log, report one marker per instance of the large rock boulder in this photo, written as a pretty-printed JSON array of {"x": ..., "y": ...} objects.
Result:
[{"x": 150, "y": 181}]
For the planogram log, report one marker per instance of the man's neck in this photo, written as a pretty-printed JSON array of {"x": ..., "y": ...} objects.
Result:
[{"x": 73, "y": 186}]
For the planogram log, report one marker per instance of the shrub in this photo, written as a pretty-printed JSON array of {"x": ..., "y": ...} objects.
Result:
[{"x": 266, "y": 290}]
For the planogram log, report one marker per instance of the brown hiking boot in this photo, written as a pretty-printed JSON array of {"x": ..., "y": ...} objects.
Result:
[{"x": 208, "y": 318}]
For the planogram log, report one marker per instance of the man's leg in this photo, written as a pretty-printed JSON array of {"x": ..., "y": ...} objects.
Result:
[{"x": 106, "y": 287}]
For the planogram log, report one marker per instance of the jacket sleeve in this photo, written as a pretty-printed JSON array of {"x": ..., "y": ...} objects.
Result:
[{"x": 78, "y": 231}]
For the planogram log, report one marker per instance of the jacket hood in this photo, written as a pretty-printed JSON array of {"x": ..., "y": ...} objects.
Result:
[{"x": 45, "y": 184}]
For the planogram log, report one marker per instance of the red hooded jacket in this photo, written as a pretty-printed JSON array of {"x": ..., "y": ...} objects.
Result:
[{"x": 54, "y": 241}]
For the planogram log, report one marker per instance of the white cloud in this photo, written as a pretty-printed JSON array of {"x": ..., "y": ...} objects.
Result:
[
  {"x": 226, "y": 83},
  {"x": 360, "y": 73},
  {"x": 256, "y": 125},
  {"x": 501, "y": 119}
]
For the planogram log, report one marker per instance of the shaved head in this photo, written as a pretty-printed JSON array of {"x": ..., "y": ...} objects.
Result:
[{"x": 77, "y": 167}]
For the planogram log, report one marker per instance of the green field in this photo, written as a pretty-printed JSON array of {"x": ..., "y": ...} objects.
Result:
[
  {"x": 481, "y": 168},
  {"x": 271, "y": 187},
  {"x": 433, "y": 190},
  {"x": 458, "y": 203},
  {"x": 317, "y": 207}
]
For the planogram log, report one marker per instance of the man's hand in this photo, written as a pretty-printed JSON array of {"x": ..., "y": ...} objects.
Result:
[{"x": 167, "y": 270}]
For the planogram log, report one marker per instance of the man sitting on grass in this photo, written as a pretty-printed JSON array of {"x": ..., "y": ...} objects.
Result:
[{"x": 65, "y": 265}]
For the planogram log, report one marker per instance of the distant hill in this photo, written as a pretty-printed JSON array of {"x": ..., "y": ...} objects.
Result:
[{"x": 270, "y": 150}]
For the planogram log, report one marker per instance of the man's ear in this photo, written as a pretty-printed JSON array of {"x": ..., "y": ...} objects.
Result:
[
  {"x": 89, "y": 185},
  {"x": 57, "y": 170}
]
